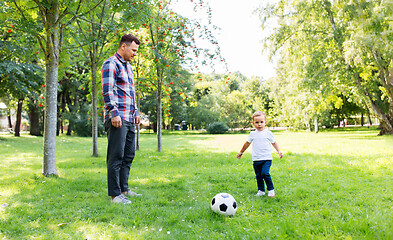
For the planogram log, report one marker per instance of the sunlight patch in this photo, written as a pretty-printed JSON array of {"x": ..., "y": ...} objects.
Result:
[{"x": 146, "y": 181}]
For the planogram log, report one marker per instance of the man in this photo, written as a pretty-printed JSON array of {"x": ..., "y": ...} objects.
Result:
[{"x": 121, "y": 116}]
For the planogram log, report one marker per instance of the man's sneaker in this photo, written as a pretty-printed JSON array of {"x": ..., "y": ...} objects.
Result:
[
  {"x": 120, "y": 199},
  {"x": 271, "y": 193},
  {"x": 132, "y": 194},
  {"x": 260, "y": 193}
]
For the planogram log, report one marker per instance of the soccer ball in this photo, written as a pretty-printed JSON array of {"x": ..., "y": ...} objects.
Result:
[{"x": 224, "y": 204}]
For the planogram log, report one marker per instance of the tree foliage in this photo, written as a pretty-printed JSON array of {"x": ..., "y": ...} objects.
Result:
[
  {"x": 168, "y": 45},
  {"x": 330, "y": 50},
  {"x": 21, "y": 76}
]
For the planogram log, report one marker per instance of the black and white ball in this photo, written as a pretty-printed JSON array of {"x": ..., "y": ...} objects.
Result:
[{"x": 224, "y": 204}]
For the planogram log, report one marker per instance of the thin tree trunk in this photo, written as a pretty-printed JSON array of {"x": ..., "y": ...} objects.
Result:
[
  {"x": 159, "y": 96},
  {"x": 63, "y": 110},
  {"x": 34, "y": 117},
  {"x": 370, "y": 123},
  {"x": 139, "y": 126},
  {"x": 309, "y": 125},
  {"x": 159, "y": 119},
  {"x": 94, "y": 106},
  {"x": 70, "y": 109},
  {"x": 138, "y": 103},
  {"x": 9, "y": 118},
  {"x": 137, "y": 133},
  {"x": 58, "y": 124},
  {"x": 52, "y": 65},
  {"x": 18, "y": 118}
]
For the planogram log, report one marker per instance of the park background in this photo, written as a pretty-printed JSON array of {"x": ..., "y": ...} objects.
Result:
[{"x": 332, "y": 69}]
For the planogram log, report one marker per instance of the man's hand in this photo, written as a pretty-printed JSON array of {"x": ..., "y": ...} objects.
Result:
[
  {"x": 116, "y": 121},
  {"x": 137, "y": 120}
]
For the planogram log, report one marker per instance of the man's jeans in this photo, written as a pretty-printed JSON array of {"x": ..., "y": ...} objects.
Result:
[{"x": 120, "y": 154}]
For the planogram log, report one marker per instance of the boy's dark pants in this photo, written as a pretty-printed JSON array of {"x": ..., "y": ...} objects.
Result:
[
  {"x": 262, "y": 174},
  {"x": 120, "y": 154}
]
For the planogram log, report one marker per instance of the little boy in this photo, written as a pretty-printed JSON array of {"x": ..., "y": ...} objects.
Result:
[{"x": 261, "y": 153}]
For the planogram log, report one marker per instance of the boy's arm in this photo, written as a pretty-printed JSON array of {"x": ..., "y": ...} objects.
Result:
[
  {"x": 244, "y": 148},
  {"x": 275, "y": 145}
]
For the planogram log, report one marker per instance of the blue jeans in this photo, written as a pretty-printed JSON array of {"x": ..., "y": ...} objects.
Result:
[
  {"x": 262, "y": 174},
  {"x": 120, "y": 154}
]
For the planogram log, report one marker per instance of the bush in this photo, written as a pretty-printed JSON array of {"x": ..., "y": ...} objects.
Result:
[
  {"x": 83, "y": 127},
  {"x": 81, "y": 122},
  {"x": 217, "y": 128}
]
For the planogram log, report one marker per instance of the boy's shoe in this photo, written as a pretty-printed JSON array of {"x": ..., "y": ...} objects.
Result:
[
  {"x": 260, "y": 193},
  {"x": 271, "y": 193},
  {"x": 132, "y": 194},
  {"x": 120, "y": 199}
]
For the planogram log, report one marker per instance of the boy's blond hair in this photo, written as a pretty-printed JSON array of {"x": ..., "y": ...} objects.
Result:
[{"x": 257, "y": 114}]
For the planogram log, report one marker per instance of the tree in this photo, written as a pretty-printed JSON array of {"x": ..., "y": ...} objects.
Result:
[
  {"x": 20, "y": 74},
  {"x": 46, "y": 21},
  {"x": 339, "y": 47},
  {"x": 97, "y": 34},
  {"x": 91, "y": 35},
  {"x": 206, "y": 110},
  {"x": 169, "y": 40}
]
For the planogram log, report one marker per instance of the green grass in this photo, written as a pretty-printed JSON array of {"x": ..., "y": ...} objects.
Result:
[{"x": 331, "y": 185}]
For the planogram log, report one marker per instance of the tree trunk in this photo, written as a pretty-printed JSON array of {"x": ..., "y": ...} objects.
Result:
[
  {"x": 63, "y": 110},
  {"x": 159, "y": 119},
  {"x": 58, "y": 125},
  {"x": 70, "y": 109},
  {"x": 68, "y": 130},
  {"x": 159, "y": 97},
  {"x": 316, "y": 129},
  {"x": 60, "y": 115},
  {"x": 370, "y": 123},
  {"x": 52, "y": 66},
  {"x": 385, "y": 119},
  {"x": 137, "y": 137},
  {"x": 18, "y": 118},
  {"x": 138, "y": 103},
  {"x": 34, "y": 116},
  {"x": 94, "y": 124},
  {"x": 386, "y": 78},
  {"x": 309, "y": 124},
  {"x": 139, "y": 126},
  {"x": 9, "y": 118}
]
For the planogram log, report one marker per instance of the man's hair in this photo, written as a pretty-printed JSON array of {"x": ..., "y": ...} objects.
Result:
[
  {"x": 128, "y": 39},
  {"x": 257, "y": 114}
]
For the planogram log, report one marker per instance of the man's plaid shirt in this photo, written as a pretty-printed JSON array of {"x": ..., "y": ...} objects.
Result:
[{"x": 118, "y": 89}]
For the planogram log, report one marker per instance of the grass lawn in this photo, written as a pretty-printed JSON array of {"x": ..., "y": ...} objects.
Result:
[{"x": 332, "y": 185}]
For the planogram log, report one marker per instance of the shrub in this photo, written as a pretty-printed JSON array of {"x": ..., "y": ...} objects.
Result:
[
  {"x": 81, "y": 122},
  {"x": 217, "y": 128},
  {"x": 83, "y": 127}
]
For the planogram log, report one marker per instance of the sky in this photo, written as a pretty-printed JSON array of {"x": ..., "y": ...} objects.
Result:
[{"x": 240, "y": 35}]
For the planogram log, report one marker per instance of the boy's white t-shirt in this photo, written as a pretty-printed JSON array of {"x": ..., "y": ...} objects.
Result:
[{"x": 261, "y": 144}]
